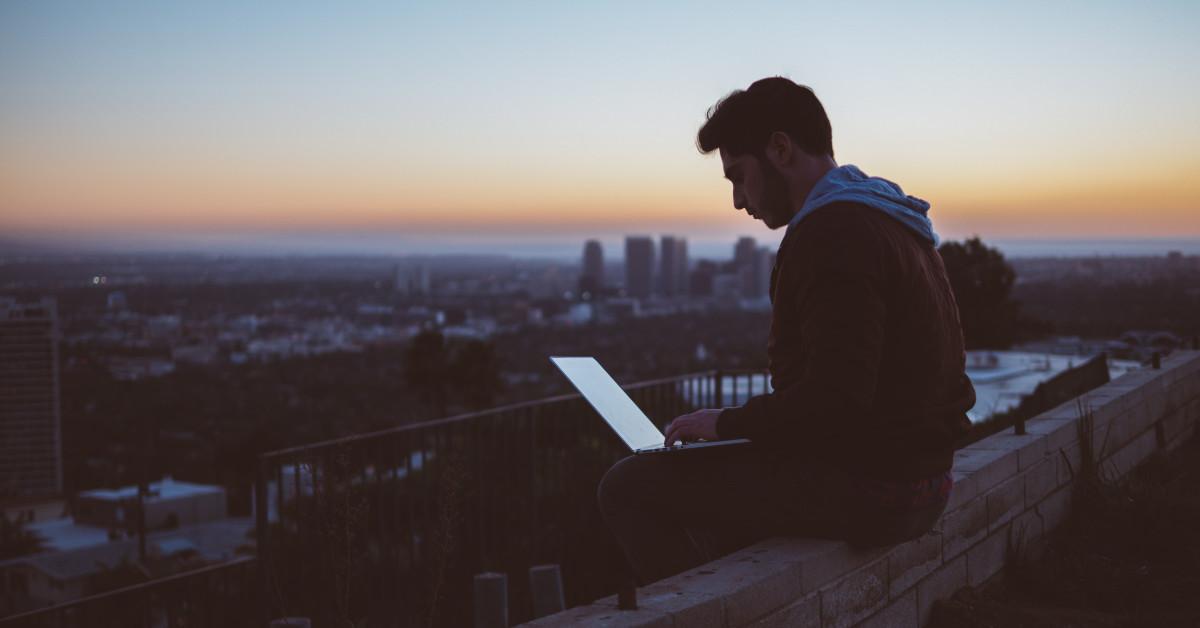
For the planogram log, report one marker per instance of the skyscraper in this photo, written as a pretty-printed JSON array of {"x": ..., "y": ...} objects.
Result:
[
  {"x": 672, "y": 275},
  {"x": 30, "y": 423},
  {"x": 592, "y": 277},
  {"x": 639, "y": 266},
  {"x": 743, "y": 251},
  {"x": 750, "y": 263},
  {"x": 413, "y": 281}
]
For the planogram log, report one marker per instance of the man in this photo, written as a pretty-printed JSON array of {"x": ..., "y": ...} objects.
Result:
[{"x": 865, "y": 353}]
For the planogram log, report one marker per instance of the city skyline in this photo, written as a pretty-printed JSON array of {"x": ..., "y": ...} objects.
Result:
[{"x": 249, "y": 124}]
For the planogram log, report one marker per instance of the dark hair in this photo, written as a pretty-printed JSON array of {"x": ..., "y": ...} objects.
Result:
[{"x": 742, "y": 122}]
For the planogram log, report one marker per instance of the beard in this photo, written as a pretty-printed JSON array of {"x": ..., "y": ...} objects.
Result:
[{"x": 776, "y": 207}]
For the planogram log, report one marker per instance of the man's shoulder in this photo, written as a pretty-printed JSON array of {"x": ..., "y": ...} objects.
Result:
[{"x": 838, "y": 225}]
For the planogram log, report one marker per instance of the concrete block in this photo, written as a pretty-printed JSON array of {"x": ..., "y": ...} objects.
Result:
[
  {"x": 988, "y": 467},
  {"x": 749, "y": 584},
  {"x": 1059, "y": 433},
  {"x": 986, "y": 559},
  {"x": 856, "y": 596},
  {"x": 825, "y": 561},
  {"x": 1055, "y": 508},
  {"x": 1105, "y": 405},
  {"x": 803, "y": 613},
  {"x": 901, "y": 613},
  {"x": 1155, "y": 400},
  {"x": 1027, "y": 531},
  {"x": 965, "y": 488},
  {"x": 1176, "y": 422},
  {"x": 911, "y": 561},
  {"x": 940, "y": 585},
  {"x": 1030, "y": 448},
  {"x": 1040, "y": 481},
  {"x": 964, "y": 527},
  {"x": 1005, "y": 502},
  {"x": 1068, "y": 460},
  {"x": 1180, "y": 393},
  {"x": 604, "y": 615},
  {"x": 686, "y": 608},
  {"x": 1133, "y": 454}
]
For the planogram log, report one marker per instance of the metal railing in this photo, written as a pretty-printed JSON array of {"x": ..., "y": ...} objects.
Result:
[
  {"x": 226, "y": 594},
  {"x": 391, "y": 526}
]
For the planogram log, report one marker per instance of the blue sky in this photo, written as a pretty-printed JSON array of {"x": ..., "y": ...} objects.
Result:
[{"x": 567, "y": 119}]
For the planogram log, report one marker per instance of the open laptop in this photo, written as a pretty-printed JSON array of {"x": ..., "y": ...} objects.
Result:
[{"x": 621, "y": 413}]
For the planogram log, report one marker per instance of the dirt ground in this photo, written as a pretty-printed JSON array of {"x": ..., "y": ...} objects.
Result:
[{"x": 1128, "y": 556}]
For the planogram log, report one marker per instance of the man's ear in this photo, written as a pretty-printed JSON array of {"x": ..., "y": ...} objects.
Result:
[{"x": 780, "y": 150}]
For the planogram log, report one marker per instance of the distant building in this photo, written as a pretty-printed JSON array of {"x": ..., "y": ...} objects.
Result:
[
  {"x": 673, "y": 270},
  {"x": 700, "y": 282},
  {"x": 592, "y": 278},
  {"x": 639, "y": 266},
  {"x": 413, "y": 281},
  {"x": 744, "y": 251},
  {"x": 117, "y": 301},
  {"x": 752, "y": 264},
  {"x": 760, "y": 273},
  {"x": 727, "y": 287},
  {"x": 57, "y": 577},
  {"x": 30, "y": 419},
  {"x": 168, "y": 502}
]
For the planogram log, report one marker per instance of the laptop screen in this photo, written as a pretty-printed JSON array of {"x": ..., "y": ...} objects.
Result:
[{"x": 599, "y": 388}]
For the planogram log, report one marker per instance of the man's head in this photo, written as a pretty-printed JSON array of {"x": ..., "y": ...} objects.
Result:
[{"x": 775, "y": 143}]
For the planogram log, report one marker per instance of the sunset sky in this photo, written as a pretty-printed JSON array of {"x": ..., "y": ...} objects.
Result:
[{"x": 561, "y": 120}]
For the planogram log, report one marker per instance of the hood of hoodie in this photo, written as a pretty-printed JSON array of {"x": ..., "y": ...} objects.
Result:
[{"x": 848, "y": 183}]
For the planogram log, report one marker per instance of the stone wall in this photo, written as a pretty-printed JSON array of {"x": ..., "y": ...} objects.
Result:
[{"x": 1009, "y": 491}]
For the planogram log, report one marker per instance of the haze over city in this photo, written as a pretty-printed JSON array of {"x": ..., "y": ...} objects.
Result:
[{"x": 401, "y": 128}]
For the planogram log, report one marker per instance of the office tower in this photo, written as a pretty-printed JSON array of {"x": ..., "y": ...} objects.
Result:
[
  {"x": 752, "y": 264},
  {"x": 413, "y": 281},
  {"x": 743, "y": 252},
  {"x": 639, "y": 266},
  {"x": 30, "y": 424},
  {"x": 592, "y": 277},
  {"x": 672, "y": 275},
  {"x": 701, "y": 279},
  {"x": 764, "y": 260}
]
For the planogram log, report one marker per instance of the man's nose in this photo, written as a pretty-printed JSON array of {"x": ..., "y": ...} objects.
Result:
[{"x": 739, "y": 201}]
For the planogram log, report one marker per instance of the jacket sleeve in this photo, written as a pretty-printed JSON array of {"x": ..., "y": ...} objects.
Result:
[{"x": 836, "y": 298}]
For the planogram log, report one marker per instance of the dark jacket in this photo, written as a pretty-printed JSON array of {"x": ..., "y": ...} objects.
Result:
[{"x": 865, "y": 351}]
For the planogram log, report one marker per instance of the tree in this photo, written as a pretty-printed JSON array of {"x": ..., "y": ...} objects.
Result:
[
  {"x": 476, "y": 373},
  {"x": 15, "y": 540},
  {"x": 982, "y": 281}
]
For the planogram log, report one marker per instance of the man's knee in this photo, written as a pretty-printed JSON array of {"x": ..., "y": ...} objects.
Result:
[{"x": 622, "y": 484}]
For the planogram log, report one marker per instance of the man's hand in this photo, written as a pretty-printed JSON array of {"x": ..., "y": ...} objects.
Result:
[{"x": 701, "y": 424}]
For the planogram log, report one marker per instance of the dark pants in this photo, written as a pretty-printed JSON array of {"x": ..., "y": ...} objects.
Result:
[{"x": 671, "y": 512}]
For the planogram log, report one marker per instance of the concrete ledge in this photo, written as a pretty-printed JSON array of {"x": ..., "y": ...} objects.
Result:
[{"x": 1009, "y": 490}]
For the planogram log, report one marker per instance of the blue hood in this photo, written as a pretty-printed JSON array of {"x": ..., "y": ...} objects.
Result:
[{"x": 848, "y": 183}]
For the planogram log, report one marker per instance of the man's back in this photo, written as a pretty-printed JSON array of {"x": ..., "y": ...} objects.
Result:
[{"x": 865, "y": 350}]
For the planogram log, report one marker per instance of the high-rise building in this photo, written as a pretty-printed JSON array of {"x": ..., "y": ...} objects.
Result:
[
  {"x": 413, "y": 281},
  {"x": 639, "y": 266},
  {"x": 30, "y": 419},
  {"x": 592, "y": 277},
  {"x": 672, "y": 274},
  {"x": 743, "y": 251},
  {"x": 752, "y": 264},
  {"x": 764, "y": 260}
]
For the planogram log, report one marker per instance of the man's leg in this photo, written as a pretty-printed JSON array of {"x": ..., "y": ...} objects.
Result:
[{"x": 650, "y": 502}]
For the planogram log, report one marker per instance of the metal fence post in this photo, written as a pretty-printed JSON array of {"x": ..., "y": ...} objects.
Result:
[
  {"x": 261, "y": 504},
  {"x": 491, "y": 600},
  {"x": 719, "y": 389},
  {"x": 546, "y": 587}
]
